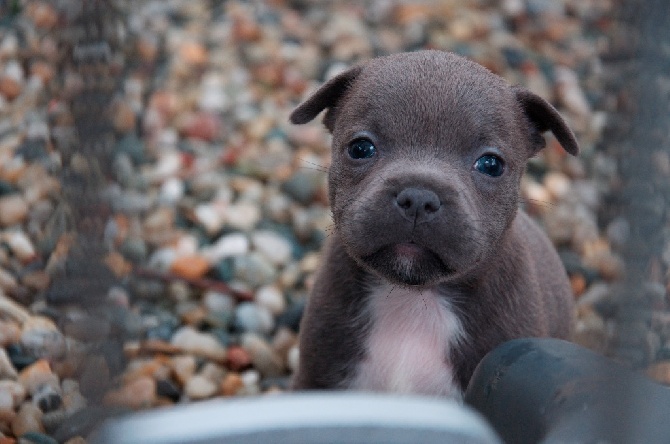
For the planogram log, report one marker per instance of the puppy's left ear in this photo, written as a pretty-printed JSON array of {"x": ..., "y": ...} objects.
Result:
[
  {"x": 544, "y": 117},
  {"x": 327, "y": 96}
]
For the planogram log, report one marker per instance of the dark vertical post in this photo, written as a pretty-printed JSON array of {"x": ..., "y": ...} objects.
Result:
[
  {"x": 91, "y": 43},
  {"x": 645, "y": 183}
]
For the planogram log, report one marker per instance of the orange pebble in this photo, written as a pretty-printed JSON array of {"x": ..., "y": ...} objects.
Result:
[
  {"x": 578, "y": 284},
  {"x": 190, "y": 267},
  {"x": 231, "y": 384}
]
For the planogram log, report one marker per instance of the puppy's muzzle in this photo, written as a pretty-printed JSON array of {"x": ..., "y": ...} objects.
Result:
[{"x": 418, "y": 205}]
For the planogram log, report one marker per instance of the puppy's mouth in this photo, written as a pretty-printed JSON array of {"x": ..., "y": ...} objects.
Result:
[{"x": 408, "y": 263}]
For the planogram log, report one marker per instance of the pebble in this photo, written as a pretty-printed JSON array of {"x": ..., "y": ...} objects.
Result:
[
  {"x": 7, "y": 369},
  {"x": 264, "y": 358},
  {"x": 183, "y": 367},
  {"x": 37, "y": 375},
  {"x": 238, "y": 358},
  {"x": 199, "y": 387},
  {"x": 660, "y": 372},
  {"x": 136, "y": 394},
  {"x": 12, "y": 392},
  {"x": 10, "y": 333},
  {"x": 28, "y": 419},
  {"x": 10, "y": 88},
  {"x": 254, "y": 269},
  {"x": 271, "y": 298},
  {"x": 47, "y": 398},
  {"x": 216, "y": 302},
  {"x": 303, "y": 186},
  {"x": 20, "y": 245},
  {"x": 198, "y": 343},
  {"x": 190, "y": 267},
  {"x": 210, "y": 217},
  {"x": 570, "y": 92},
  {"x": 251, "y": 382},
  {"x": 13, "y": 210},
  {"x": 41, "y": 338},
  {"x": 229, "y": 245},
  {"x": 36, "y": 438},
  {"x": 557, "y": 184},
  {"x": 250, "y": 317},
  {"x": 243, "y": 216},
  {"x": 8, "y": 282},
  {"x": 595, "y": 293},
  {"x": 232, "y": 384},
  {"x": 283, "y": 340},
  {"x": 213, "y": 372},
  {"x": 274, "y": 247},
  {"x": 293, "y": 359},
  {"x": 54, "y": 419},
  {"x": 172, "y": 191}
]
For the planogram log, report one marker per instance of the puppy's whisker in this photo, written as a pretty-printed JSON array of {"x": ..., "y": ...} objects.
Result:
[
  {"x": 320, "y": 167},
  {"x": 314, "y": 169}
]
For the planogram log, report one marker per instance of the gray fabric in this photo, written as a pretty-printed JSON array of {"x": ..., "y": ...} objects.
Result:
[{"x": 304, "y": 418}]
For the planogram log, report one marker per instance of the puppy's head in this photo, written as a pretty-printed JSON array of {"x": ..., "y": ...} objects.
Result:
[{"x": 427, "y": 155}]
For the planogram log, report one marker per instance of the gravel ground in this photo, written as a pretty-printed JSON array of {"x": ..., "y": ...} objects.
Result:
[{"x": 160, "y": 219}]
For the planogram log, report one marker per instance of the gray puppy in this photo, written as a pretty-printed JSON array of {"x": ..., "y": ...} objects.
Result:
[{"x": 431, "y": 263}]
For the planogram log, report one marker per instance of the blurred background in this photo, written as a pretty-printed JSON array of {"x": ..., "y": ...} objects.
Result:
[{"x": 161, "y": 221}]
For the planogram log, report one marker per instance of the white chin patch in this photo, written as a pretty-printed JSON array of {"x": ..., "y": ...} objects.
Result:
[{"x": 407, "y": 350}]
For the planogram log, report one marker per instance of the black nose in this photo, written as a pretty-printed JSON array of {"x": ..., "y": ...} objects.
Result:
[{"x": 418, "y": 205}]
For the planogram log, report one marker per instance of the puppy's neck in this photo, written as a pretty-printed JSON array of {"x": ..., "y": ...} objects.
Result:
[{"x": 407, "y": 350}]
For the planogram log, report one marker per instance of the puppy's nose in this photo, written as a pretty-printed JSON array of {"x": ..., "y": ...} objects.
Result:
[{"x": 418, "y": 205}]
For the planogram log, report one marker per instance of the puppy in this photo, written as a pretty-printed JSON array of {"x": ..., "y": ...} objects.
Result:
[{"x": 431, "y": 263}]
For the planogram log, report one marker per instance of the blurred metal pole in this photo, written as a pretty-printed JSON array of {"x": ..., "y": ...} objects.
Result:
[
  {"x": 91, "y": 69},
  {"x": 643, "y": 194},
  {"x": 645, "y": 186}
]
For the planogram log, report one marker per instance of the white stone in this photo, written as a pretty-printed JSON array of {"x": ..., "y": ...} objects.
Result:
[
  {"x": 41, "y": 338},
  {"x": 251, "y": 380},
  {"x": 234, "y": 244},
  {"x": 199, "y": 387},
  {"x": 167, "y": 166},
  {"x": 570, "y": 92},
  {"x": 254, "y": 318},
  {"x": 557, "y": 184},
  {"x": 271, "y": 297},
  {"x": 274, "y": 247},
  {"x": 172, "y": 190},
  {"x": 203, "y": 344},
  {"x": 15, "y": 390},
  {"x": 293, "y": 358},
  {"x": 209, "y": 217},
  {"x": 243, "y": 215},
  {"x": 162, "y": 259},
  {"x": 216, "y": 302}
]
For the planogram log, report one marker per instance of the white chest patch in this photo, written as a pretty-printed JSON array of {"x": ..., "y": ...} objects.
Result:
[{"x": 407, "y": 350}]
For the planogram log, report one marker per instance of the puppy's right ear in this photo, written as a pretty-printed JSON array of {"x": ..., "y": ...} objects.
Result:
[{"x": 326, "y": 97}]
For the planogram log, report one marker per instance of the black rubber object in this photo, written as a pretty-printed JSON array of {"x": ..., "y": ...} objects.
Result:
[{"x": 553, "y": 391}]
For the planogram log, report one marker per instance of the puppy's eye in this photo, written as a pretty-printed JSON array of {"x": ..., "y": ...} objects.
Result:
[
  {"x": 490, "y": 165},
  {"x": 361, "y": 149}
]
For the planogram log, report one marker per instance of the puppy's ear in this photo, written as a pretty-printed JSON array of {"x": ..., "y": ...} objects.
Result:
[
  {"x": 326, "y": 97},
  {"x": 544, "y": 117}
]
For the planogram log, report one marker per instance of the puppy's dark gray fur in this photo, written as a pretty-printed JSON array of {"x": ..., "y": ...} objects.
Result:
[{"x": 471, "y": 258}]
